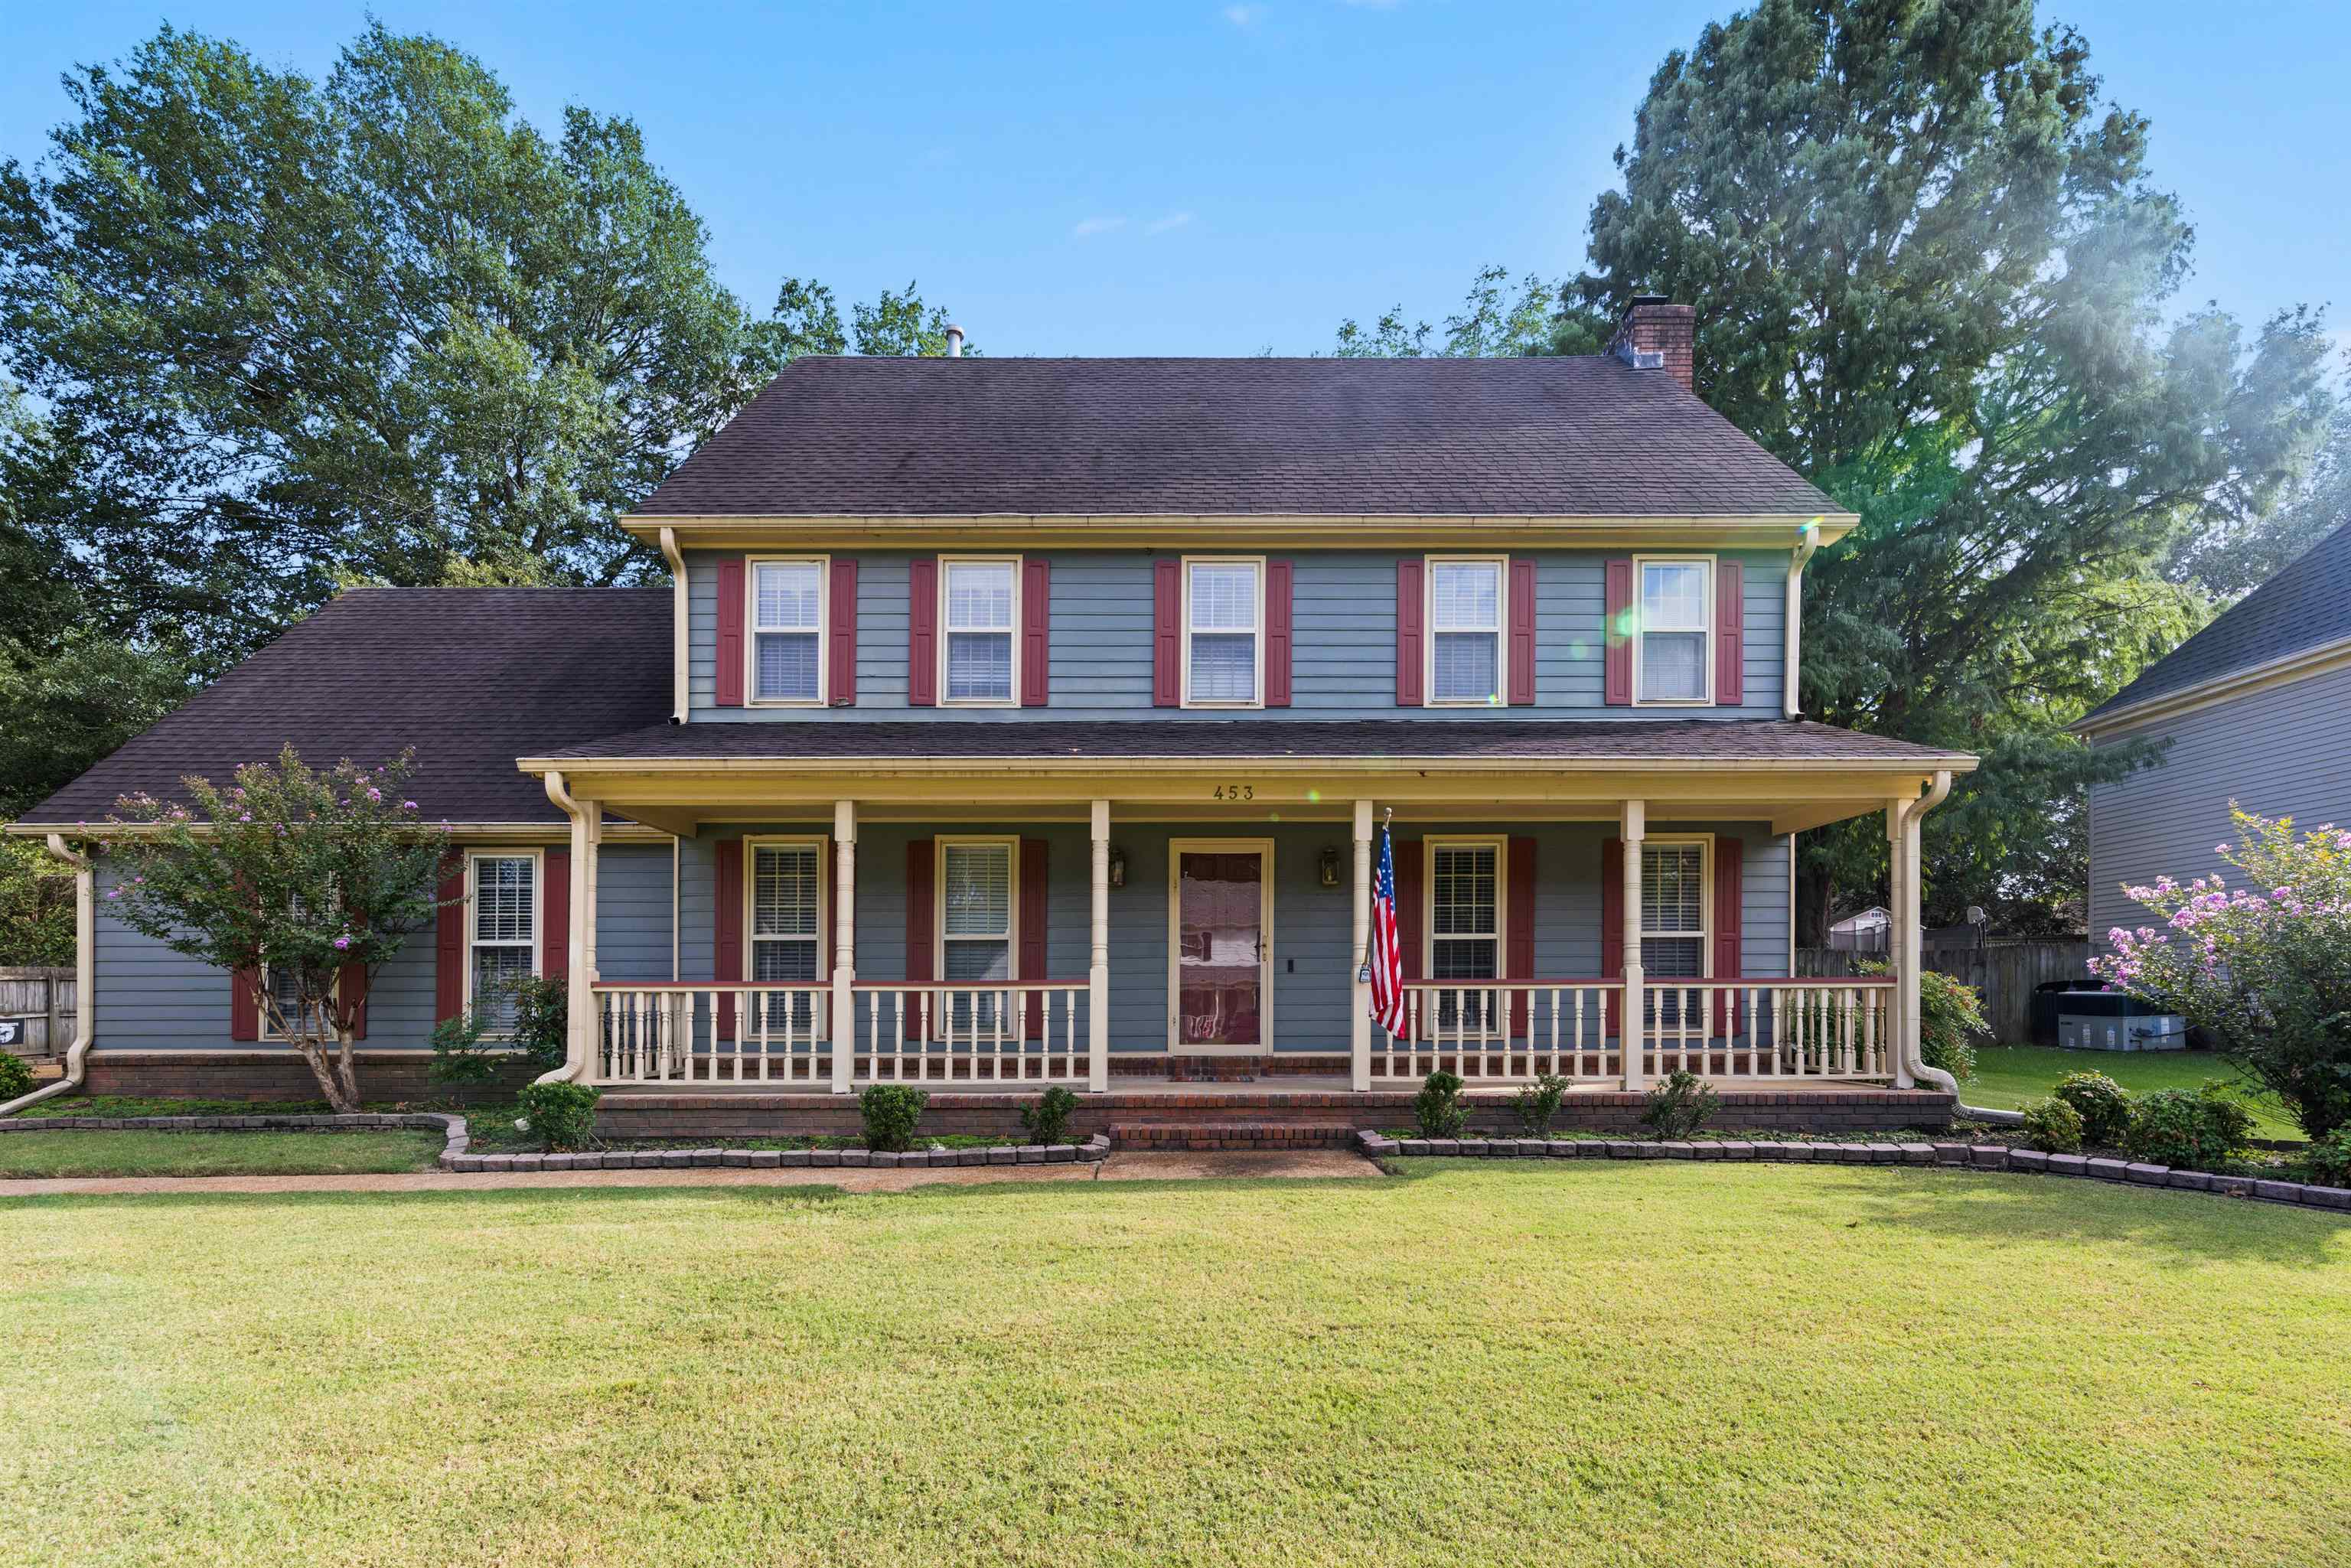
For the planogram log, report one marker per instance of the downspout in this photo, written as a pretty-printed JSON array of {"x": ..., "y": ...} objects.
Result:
[
  {"x": 1791, "y": 687},
  {"x": 1911, "y": 946},
  {"x": 677, "y": 625},
  {"x": 575, "y": 1055},
  {"x": 85, "y": 979}
]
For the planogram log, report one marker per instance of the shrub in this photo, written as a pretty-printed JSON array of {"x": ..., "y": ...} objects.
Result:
[
  {"x": 2104, "y": 1105},
  {"x": 2197, "y": 1130},
  {"x": 458, "y": 1055},
  {"x": 2263, "y": 970},
  {"x": 1951, "y": 1021},
  {"x": 2327, "y": 1161},
  {"x": 1048, "y": 1121},
  {"x": 560, "y": 1115},
  {"x": 15, "y": 1077},
  {"x": 1538, "y": 1102},
  {"x": 542, "y": 1011},
  {"x": 1680, "y": 1105},
  {"x": 2054, "y": 1126},
  {"x": 891, "y": 1111},
  {"x": 1436, "y": 1110}
]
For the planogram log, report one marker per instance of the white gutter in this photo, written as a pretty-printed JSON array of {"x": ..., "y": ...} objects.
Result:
[
  {"x": 577, "y": 996},
  {"x": 1791, "y": 688},
  {"x": 85, "y": 978},
  {"x": 1911, "y": 954},
  {"x": 677, "y": 631}
]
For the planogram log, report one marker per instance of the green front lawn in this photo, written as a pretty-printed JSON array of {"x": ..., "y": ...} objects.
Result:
[
  {"x": 2009, "y": 1077},
  {"x": 112, "y": 1153},
  {"x": 1471, "y": 1362}
]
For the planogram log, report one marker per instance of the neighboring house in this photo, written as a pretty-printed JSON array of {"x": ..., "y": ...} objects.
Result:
[
  {"x": 1025, "y": 720},
  {"x": 2256, "y": 708},
  {"x": 1867, "y": 932}
]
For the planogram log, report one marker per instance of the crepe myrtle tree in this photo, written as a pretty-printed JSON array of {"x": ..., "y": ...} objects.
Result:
[
  {"x": 312, "y": 877},
  {"x": 2265, "y": 968}
]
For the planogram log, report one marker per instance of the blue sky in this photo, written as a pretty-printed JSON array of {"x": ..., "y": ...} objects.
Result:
[{"x": 1224, "y": 178}]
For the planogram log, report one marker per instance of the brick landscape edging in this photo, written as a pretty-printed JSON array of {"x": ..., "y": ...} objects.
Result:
[
  {"x": 1092, "y": 1150},
  {"x": 450, "y": 1128},
  {"x": 1972, "y": 1156}
]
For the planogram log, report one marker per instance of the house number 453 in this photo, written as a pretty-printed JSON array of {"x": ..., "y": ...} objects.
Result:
[{"x": 1236, "y": 792}]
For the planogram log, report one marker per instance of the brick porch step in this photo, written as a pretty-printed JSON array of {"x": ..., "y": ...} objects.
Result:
[{"x": 1154, "y": 1136}]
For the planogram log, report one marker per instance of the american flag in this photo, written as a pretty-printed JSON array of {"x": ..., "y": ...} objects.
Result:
[{"x": 1387, "y": 960}]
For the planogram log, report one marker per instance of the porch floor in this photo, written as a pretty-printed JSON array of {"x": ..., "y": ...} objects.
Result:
[{"x": 1264, "y": 1091}]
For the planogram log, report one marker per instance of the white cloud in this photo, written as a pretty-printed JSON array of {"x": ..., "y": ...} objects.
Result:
[
  {"x": 1172, "y": 221},
  {"x": 1089, "y": 227},
  {"x": 1244, "y": 15}
]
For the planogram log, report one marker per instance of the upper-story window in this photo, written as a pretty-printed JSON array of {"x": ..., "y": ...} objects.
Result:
[
  {"x": 981, "y": 651},
  {"x": 788, "y": 613},
  {"x": 1224, "y": 633},
  {"x": 1465, "y": 617},
  {"x": 1673, "y": 657}
]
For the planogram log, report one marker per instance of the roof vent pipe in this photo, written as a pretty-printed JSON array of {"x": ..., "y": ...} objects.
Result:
[{"x": 954, "y": 341}]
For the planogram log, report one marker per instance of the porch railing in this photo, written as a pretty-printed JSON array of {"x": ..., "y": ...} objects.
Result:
[
  {"x": 1018, "y": 1032},
  {"x": 700, "y": 1033},
  {"x": 1517, "y": 1031}
]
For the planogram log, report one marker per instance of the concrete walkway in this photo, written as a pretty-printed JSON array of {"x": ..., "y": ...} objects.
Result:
[{"x": 1297, "y": 1163}]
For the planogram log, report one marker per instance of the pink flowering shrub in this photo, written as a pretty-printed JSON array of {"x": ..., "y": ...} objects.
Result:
[
  {"x": 2263, "y": 967},
  {"x": 315, "y": 876}
]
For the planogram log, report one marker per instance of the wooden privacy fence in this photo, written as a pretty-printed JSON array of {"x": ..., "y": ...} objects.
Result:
[
  {"x": 2003, "y": 973},
  {"x": 44, "y": 997}
]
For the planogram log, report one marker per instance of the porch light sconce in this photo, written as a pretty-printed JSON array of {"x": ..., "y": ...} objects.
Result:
[
  {"x": 1330, "y": 864},
  {"x": 1117, "y": 866}
]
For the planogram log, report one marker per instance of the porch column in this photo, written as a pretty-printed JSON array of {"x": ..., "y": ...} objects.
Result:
[
  {"x": 1630, "y": 1025},
  {"x": 580, "y": 998},
  {"x": 1359, "y": 1028},
  {"x": 844, "y": 946},
  {"x": 1902, "y": 1025},
  {"x": 1098, "y": 958}
]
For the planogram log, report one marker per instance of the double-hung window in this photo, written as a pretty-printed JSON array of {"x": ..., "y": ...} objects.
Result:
[
  {"x": 981, "y": 600},
  {"x": 501, "y": 933},
  {"x": 1465, "y": 924},
  {"x": 975, "y": 935},
  {"x": 1465, "y": 620},
  {"x": 1673, "y": 658},
  {"x": 787, "y": 612},
  {"x": 786, "y": 924},
  {"x": 1674, "y": 911},
  {"x": 1224, "y": 633}
]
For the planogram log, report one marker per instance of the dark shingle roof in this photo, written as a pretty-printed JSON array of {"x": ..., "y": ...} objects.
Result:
[
  {"x": 470, "y": 678},
  {"x": 1586, "y": 436},
  {"x": 2307, "y": 604},
  {"x": 1665, "y": 740}
]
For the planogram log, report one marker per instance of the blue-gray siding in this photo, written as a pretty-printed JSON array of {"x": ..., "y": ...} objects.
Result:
[
  {"x": 2285, "y": 752},
  {"x": 1344, "y": 633}
]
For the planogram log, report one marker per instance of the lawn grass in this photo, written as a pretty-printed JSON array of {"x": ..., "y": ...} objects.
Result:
[
  {"x": 2009, "y": 1077},
  {"x": 132, "y": 1154},
  {"x": 1471, "y": 1362}
]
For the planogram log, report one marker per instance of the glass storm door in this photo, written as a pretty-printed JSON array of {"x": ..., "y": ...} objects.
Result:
[{"x": 1220, "y": 946}]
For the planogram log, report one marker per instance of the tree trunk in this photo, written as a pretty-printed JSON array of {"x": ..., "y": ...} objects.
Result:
[
  {"x": 344, "y": 1067},
  {"x": 1814, "y": 890},
  {"x": 335, "y": 1080}
]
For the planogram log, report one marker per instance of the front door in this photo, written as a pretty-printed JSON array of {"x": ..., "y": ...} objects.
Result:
[{"x": 1222, "y": 922}]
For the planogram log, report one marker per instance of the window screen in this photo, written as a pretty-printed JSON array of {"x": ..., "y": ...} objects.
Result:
[
  {"x": 1221, "y": 615},
  {"x": 1673, "y": 631},
  {"x": 979, "y": 615},
  {"x": 1466, "y": 620},
  {"x": 504, "y": 934},
  {"x": 787, "y": 606}
]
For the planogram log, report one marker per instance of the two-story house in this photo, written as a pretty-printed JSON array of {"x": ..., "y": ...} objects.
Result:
[{"x": 1009, "y": 722}]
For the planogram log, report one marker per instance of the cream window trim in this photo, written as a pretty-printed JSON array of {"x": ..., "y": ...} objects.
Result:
[
  {"x": 1501, "y": 628},
  {"x": 947, "y": 563},
  {"x": 537, "y": 943},
  {"x": 1704, "y": 629},
  {"x": 1010, "y": 843},
  {"x": 1500, "y": 844},
  {"x": 752, "y": 844},
  {"x": 1256, "y": 563},
  {"x": 751, "y": 630},
  {"x": 1703, "y": 935}
]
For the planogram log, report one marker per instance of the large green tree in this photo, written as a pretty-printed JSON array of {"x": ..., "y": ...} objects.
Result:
[{"x": 1931, "y": 275}]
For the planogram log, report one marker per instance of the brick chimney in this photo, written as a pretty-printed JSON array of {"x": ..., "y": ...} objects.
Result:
[{"x": 1657, "y": 335}]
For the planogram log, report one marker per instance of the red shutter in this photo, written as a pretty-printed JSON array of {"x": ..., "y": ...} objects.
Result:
[
  {"x": 1036, "y": 631},
  {"x": 727, "y": 955},
  {"x": 1411, "y": 599},
  {"x": 1522, "y": 631},
  {"x": 1618, "y": 632},
  {"x": 923, "y": 631},
  {"x": 1410, "y": 862},
  {"x": 1166, "y": 634},
  {"x": 1035, "y": 870},
  {"x": 732, "y": 602},
  {"x": 1729, "y": 635},
  {"x": 352, "y": 998},
  {"x": 555, "y": 915},
  {"x": 449, "y": 943},
  {"x": 840, "y": 634},
  {"x": 1519, "y": 960},
  {"x": 245, "y": 1004},
  {"x": 1730, "y": 912},
  {"x": 1277, "y": 595},
  {"x": 1611, "y": 923},
  {"x": 922, "y": 896}
]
